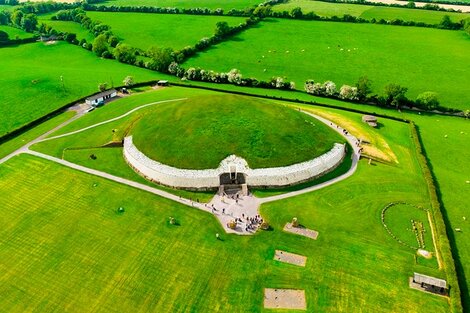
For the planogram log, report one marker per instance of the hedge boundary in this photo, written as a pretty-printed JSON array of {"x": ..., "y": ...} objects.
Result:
[{"x": 440, "y": 224}]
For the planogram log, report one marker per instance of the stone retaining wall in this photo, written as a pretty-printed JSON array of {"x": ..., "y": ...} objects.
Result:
[{"x": 209, "y": 179}]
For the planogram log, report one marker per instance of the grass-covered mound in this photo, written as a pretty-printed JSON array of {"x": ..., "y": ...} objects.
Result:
[{"x": 202, "y": 131}]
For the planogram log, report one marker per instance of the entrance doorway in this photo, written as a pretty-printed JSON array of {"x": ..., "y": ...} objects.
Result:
[{"x": 232, "y": 179}]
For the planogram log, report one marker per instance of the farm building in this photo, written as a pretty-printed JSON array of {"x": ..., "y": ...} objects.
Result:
[
  {"x": 370, "y": 119},
  {"x": 162, "y": 83},
  {"x": 101, "y": 97},
  {"x": 430, "y": 284}
]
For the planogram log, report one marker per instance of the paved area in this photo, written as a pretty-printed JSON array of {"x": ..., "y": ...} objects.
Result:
[
  {"x": 242, "y": 209},
  {"x": 284, "y": 299},
  {"x": 302, "y": 231},
  {"x": 291, "y": 258}
]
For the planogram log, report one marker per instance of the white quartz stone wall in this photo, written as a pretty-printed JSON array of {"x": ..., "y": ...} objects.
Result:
[{"x": 204, "y": 179}]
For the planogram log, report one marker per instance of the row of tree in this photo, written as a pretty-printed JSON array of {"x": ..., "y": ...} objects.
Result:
[
  {"x": 233, "y": 77},
  {"x": 296, "y": 13},
  {"x": 394, "y": 94}
]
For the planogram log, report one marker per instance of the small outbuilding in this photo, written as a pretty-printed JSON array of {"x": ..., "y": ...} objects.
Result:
[
  {"x": 162, "y": 83},
  {"x": 430, "y": 284},
  {"x": 370, "y": 119},
  {"x": 101, "y": 97}
]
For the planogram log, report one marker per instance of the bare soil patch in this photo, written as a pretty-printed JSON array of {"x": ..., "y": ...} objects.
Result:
[
  {"x": 284, "y": 299},
  {"x": 302, "y": 231},
  {"x": 291, "y": 258}
]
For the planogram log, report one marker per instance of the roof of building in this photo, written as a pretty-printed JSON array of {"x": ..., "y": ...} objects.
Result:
[
  {"x": 162, "y": 82},
  {"x": 420, "y": 278},
  {"x": 369, "y": 118},
  {"x": 101, "y": 94}
]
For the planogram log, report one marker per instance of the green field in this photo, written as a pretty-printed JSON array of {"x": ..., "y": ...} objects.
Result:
[
  {"x": 323, "y": 8},
  {"x": 67, "y": 27},
  {"x": 136, "y": 261},
  {"x": 144, "y": 30},
  {"x": 435, "y": 60},
  {"x": 31, "y": 85},
  {"x": 368, "y": 11},
  {"x": 15, "y": 33},
  {"x": 210, "y": 4},
  {"x": 449, "y": 159},
  {"x": 425, "y": 16},
  {"x": 4, "y": 7}
]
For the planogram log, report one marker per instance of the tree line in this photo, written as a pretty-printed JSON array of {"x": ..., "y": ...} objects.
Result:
[{"x": 394, "y": 95}]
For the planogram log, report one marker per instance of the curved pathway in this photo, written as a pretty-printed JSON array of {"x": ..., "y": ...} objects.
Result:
[
  {"x": 355, "y": 158},
  {"x": 112, "y": 119}
]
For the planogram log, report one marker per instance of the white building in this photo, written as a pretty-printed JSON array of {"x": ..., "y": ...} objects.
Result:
[{"x": 101, "y": 97}]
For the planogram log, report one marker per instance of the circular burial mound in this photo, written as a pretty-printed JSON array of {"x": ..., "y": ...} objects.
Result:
[
  {"x": 200, "y": 132},
  {"x": 408, "y": 224}
]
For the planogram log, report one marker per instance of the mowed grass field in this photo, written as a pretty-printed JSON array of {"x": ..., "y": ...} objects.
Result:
[
  {"x": 15, "y": 33},
  {"x": 420, "y": 59},
  {"x": 31, "y": 85},
  {"x": 210, "y": 4},
  {"x": 368, "y": 11},
  {"x": 68, "y": 248},
  {"x": 449, "y": 158},
  {"x": 67, "y": 27},
  {"x": 144, "y": 30}
]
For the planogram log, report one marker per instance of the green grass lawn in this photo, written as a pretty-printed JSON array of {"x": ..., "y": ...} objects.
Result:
[
  {"x": 449, "y": 158},
  {"x": 425, "y": 16},
  {"x": 65, "y": 246},
  {"x": 66, "y": 26},
  {"x": 323, "y": 8},
  {"x": 418, "y": 58},
  {"x": 19, "y": 141},
  {"x": 368, "y": 11},
  {"x": 4, "y": 7},
  {"x": 211, "y": 4},
  {"x": 31, "y": 85},
  {"x": 144, "y": 30},
  {"x": 15, "y": 33}
]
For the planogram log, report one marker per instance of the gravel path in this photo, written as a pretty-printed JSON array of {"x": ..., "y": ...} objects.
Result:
[
  {"x": 112, "y": 119},
  {"x": 355, "y": 158}
]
